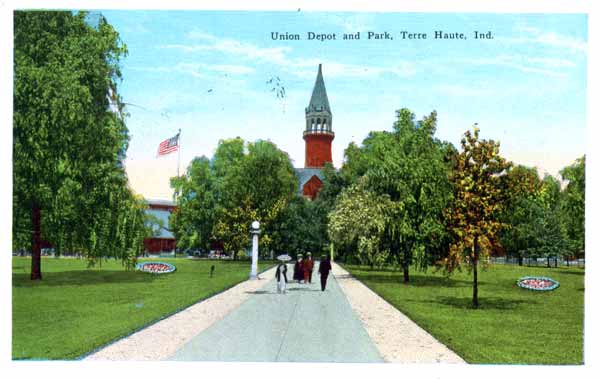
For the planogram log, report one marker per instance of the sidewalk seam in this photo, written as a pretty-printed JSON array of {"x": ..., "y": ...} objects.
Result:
[{"x": 287, "y": 329}]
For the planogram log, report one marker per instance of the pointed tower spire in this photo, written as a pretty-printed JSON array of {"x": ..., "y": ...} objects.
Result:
[
  {"x": 318, "y": 100},
  {"x": 318, "y": 133}
]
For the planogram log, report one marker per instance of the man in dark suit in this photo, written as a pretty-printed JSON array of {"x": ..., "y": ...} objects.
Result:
[{"x": 324, "y": 268}]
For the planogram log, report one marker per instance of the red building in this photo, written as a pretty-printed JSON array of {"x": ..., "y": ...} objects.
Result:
[
  {"x": 318, "y": 136},
  {"x": 165, "y": 240}
]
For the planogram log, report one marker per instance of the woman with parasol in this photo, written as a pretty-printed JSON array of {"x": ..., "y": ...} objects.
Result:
[{"x": 281, "y": 273}]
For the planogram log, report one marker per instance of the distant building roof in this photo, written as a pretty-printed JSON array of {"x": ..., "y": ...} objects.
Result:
[
  {"x": 160, "y": 202},
  {"x": 304, "y": 175}
]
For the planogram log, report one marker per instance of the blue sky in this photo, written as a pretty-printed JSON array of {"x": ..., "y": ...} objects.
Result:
[{"x": 206, "y": 73}]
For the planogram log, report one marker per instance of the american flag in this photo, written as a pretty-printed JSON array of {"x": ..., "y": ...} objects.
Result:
[{"x": 169, "y": 145}]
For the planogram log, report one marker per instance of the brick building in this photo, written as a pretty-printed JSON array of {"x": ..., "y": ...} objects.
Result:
[
  {"x": 165, "y": 240},
  {"x": 318, "y": 136}
]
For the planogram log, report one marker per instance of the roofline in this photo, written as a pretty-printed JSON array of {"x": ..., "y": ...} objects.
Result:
[{"x": 160, "y": 202}]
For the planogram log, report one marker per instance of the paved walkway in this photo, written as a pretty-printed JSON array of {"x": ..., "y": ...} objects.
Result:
[
  {"x": 398, "y": 338},
  {"x": 303, "y": 325},
  {"x": 163, "y": 338},
  {"x": 252, "y": 322}
]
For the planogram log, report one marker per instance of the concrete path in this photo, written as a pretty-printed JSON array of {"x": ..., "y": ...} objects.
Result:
[
  {"x": 251, "y": 322},
  {"x": 303, "y": 325},
  {"x": 398, "y": 338},
  {"x": 162, "y": 339}
]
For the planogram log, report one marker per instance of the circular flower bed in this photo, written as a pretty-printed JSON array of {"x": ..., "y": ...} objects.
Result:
[
  {"x": 538, "y": 283},
  {"x": 155, "y": 267}
]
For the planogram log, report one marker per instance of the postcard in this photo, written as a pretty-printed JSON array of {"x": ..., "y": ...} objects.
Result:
[{"x": 299, "y": 186}]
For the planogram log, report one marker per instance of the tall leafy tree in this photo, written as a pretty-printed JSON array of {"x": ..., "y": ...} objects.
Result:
[
  {"x": 573, "y": 205},
  {"x": 253, "y": 182},
  {"x": 193, "y": 220},
  {"x": 415, "y": 174},
  {"x": 553, "y": 239},
  {"x": 69, "y": 138},
  {"x": 474, "y": 215},
  {"x": 410, "y": 166},
  {"x": 522, "y": 213}
]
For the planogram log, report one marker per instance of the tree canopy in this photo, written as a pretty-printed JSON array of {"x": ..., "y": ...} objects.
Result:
[
  {"x": 220, "y": 198},
  {"x": 573, "y": 206},
  {"x": 532, "y": 225},
  {"x": 473, "y": 218},
  {"x": 69, "y": 139},
  {"x": 410, "y": 167}
]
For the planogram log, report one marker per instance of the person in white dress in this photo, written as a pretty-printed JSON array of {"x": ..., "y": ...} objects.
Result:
[{"x": 281, "y": 275}]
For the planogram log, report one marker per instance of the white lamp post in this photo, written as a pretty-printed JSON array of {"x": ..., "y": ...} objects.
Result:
[{"x": 255, "y": 231}]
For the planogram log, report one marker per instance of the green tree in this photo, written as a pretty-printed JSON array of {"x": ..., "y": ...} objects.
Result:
[
  {"x": 302, "y": 227},
  {"x": 69, "y": 138},
  {"x": 573, "y": 205},
  {"x": 358, "y": 222},
  {"x": 522, "y": 213},
  {"x": 473, "y": 218},
  {"x": 193, "y": 220},
  {"x": 410, "y": 166},
  {"x": 255, "y": 182}
]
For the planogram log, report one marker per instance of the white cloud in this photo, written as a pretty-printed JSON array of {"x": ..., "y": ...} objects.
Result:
[
  {"x": 457, "y": 90},
  {"x": 539, "y": 65},
  {"x": 350, "y": 23},
  {"x": 532, "y": 35},
  {"x": 305, "y": 68},
  {"x": 558, "y": 40},
  {"x": 551, "y": 62},
  {"x": 199, "y": 70},
  {"x": 279, "y": 56},
  {"x": 234, "y": 47}
]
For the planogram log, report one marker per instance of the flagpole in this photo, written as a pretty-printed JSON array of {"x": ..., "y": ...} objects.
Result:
[
  {"x": 178, "y": 160},
  {"x": 178, "y": 151}
]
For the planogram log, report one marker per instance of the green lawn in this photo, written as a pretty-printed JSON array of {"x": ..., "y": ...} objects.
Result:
[
  {"x": 75, "y": 310},
  {"x": 512, "y": 325}
]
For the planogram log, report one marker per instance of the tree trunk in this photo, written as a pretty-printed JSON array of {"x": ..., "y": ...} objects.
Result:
[
  {"x": 548, "y": 261},
  {"x": 36, "y": 244},
  {"x": 475, "y": 261},
  {"x": 520, "y": 261},
  {"x": 405, "y": 267}
]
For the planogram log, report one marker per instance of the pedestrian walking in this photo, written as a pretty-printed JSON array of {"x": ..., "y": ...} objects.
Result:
[
  {"x": 281, "y": 272},
  {"x": 324, "y": 268},
  {"x": 308, "y": 268},
  {"x": 299, "y": 269},
  {"x": 281, "y": 275}
]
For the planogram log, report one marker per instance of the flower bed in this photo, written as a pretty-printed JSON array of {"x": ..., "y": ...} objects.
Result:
[
  {"x": 155, "y": 267},
  {"x": 538, "y": 283}
]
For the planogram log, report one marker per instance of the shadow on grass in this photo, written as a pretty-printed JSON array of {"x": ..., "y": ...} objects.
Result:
[
  {"x": 569, "y": 272},
  {"x": 417, "y": 281},
  {"x": 495, "y": 303},
  {"x": 83, "y": 278}
]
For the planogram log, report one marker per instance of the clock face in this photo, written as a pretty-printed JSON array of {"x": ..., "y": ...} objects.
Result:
[{"x": 255, "y": 225}]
